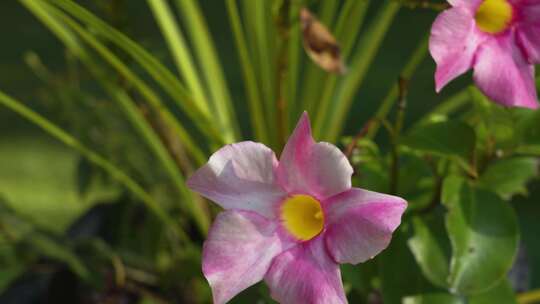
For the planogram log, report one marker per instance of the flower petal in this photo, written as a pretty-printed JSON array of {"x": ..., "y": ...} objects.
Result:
[
  {"x": 240, "y": 176},
  {"x": 504, "y": 75},
  {"x": 319, "y": 169},
  {"x": 452, "y": 44},
  {"x": 360, "y": 224},
  {"x": 238, "y": 252},
  {"x": 528, "y": 31},
  {"x": 306, "y": 274}
]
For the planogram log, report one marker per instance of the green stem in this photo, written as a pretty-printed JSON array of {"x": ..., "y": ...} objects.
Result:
[
  {"x": 386, "y": 105},
  {"x": 47, "y": 126},
  {"x": 315, "y": 76},
  {"x": 129, "y": 108},
  {"x": 284, "y": 28},
  {"x": 210, "y": 65},
  {"x": 529, "y": 297},
  {"x": 178, "y": 47},
  {"x": 451, "y": 104},
  {"x": 253, "y": 93},
  {"x": 400, "y": 118},
  {"x": 196, "y": 110},
  {"x": 348, "y": 26},
  {"x": 333, "y": 122}
]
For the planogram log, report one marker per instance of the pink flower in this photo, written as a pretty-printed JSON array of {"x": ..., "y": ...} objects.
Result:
[
  {"x": 289, "y": 222},
  {"x": 498, "y": 39}
]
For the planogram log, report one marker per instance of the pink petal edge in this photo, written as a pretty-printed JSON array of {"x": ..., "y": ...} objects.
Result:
[
  {"x": 361, "y": 223},
  {"x": 238, "y": 252},
  {"x": 240, "y": 176},
  {"x": 306, "y": 274},
  {"x": 453, "y": 43},
  {"x": 502, "y": 74},
  {"x": 319, "y": 169}
]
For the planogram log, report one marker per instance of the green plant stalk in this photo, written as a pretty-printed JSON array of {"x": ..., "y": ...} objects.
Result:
[
  {"x": 334, "y": 121},
  {"x": 265, "y": 48},
  {"x": 198, "y": 111},
  {"x": 149, "y": 95},
  {"x": 47, "y": 126},
  {"x": 398, "y": 126},
  {"x": 348, "y": 26},
  {"x": 257, "y": 25},
  {"x": 283, "y": 25},
  {"x": 183, "y": 59},
  {"x": 315, "y": 77},
  {"x": 209, "y": 63},
  {"x": 155, "y": 144},
  {"x": 529, "y": 297},
  {"x": 449, "y": 105},
  {"x": 148, "y": 134},
  {"x": 386, "y": 105},
  {"x": 294, "y": 64},
  {"x": 137, "y": 120},
  {"x": 253, "y": 93}
]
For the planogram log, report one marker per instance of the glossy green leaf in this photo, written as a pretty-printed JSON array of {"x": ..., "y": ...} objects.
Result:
[
  {"x": 399, "y": 273},
  {"x": 434, "y": 298},
  {"x": 484, "y": 236},
  {"x": 500, "y": 294},
  {"x": 430, "y": 247},
  {"x": 447, "y": 138},
  {"x": 508, "y": 177}
]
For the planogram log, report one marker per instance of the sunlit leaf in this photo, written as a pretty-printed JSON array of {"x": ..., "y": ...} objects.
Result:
[
  {"x": 484, "y": 236},
  {"x": 508, "y": 177},
  {"x": 430, "y": 247},
  {"x": 502, "y": 293},
  {"x": 432, "y": 298}
]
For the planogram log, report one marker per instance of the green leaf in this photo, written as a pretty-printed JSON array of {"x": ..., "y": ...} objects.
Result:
[
  {"x": 484, "y": 236},
  {"x": 431, "y": 298},
  {"x": 53, "y": 249},
  {"x": 430, "y": 247},
  {"x": 447, "y": 138},
  {"x": 508, "y": 177},
  {"x": 500, "y": 294},
  {"x": 400, "y": 275}
]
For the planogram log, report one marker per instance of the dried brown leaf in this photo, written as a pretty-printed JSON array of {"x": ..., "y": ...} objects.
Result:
[{"x": 320, "y": 44}]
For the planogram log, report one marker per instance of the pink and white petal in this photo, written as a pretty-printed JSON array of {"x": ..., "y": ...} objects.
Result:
[
  {"x": 305, "y": 274},
  {"x": 360, "y": 224},
  {"x": 319, "y": 169},
  {"x": 528, "y": 28},
  {"x": 240, "y": 176},
  {"x": 527, "y": 11},
  {"x": 238, "y": 252},
  {"x": 502, "y": 74},
  {"x": 529, "y": 40},
  {"x": 452, "y": 44}
]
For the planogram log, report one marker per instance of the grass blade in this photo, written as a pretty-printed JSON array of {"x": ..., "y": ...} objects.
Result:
[
  {"x": 329, "y": 128},
  {"x": 386, "y": 105},
  {"x": 47, "y": 126},
  {"x": 253, "y": 92},
  {"x": 129, "y": 108},
  {"x": 209, "y": 63},
  {"x": 197, "y": 110}
]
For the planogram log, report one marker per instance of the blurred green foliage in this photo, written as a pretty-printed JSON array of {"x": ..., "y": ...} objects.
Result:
[{"x": 73, "y": 230}]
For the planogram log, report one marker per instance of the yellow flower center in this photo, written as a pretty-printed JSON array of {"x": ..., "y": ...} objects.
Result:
[
  {"x": 303, "y": 216},
  {"x": 494, "y": 16}
]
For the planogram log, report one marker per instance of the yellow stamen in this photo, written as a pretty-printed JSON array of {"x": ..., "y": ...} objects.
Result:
[
  {"x": 303, "y": 216},
  {"x": 494, "y": 16}
]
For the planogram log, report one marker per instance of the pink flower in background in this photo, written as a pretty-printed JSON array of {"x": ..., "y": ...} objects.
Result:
[
  {"x": 498, "y": 39},
  {"x": 289, "y": 222}
]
